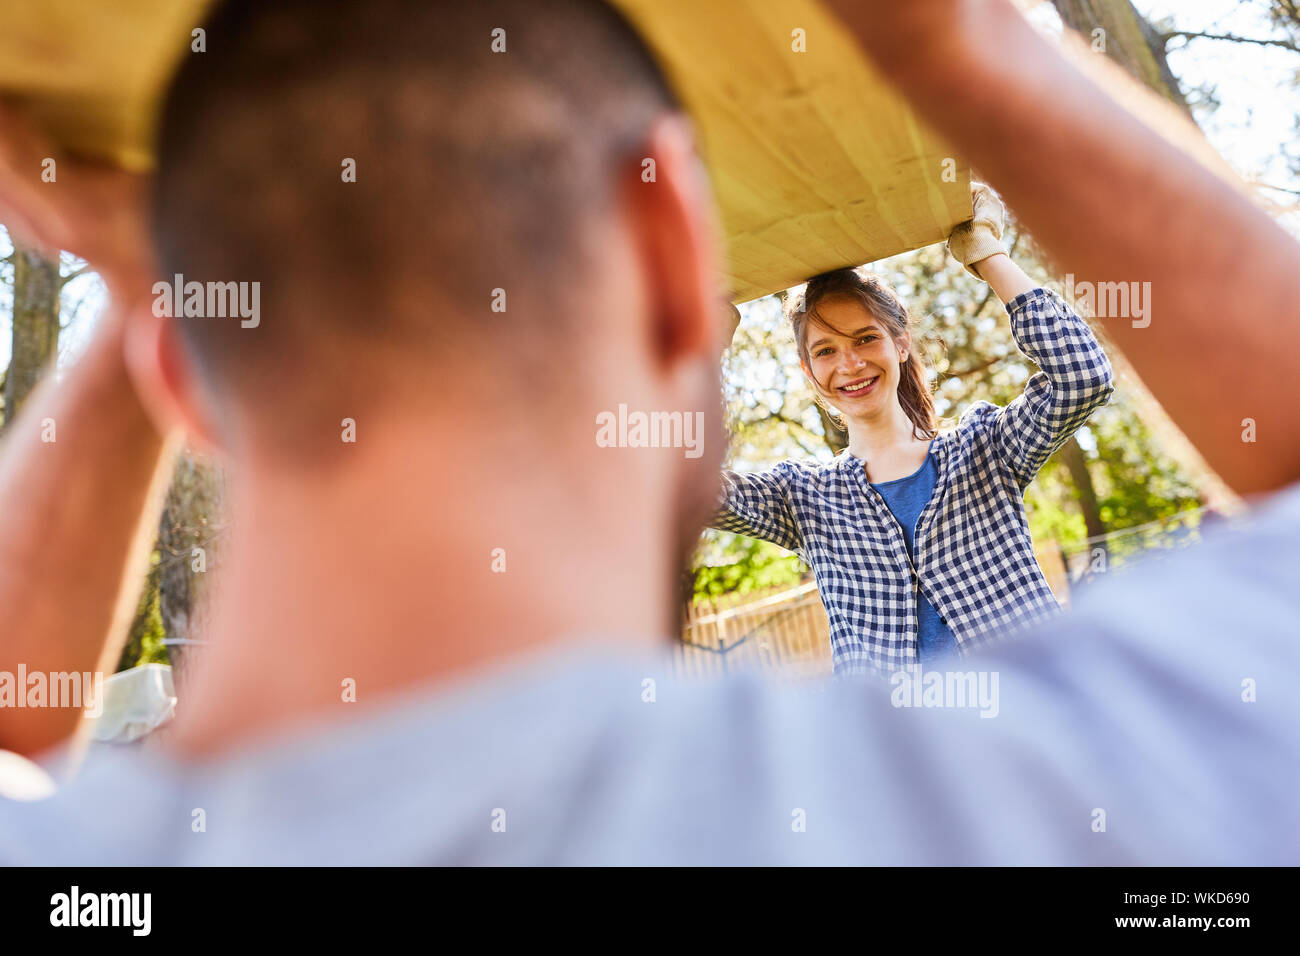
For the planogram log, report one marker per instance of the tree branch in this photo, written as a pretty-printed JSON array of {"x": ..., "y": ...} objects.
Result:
[
  {"x": 64, "y": 280},
  {"x": 796, "y": 429},
  {"x": 974, "y": 369},
  {"x": 1194, "y": 34},
  {"x": 1281, "y": 189}
]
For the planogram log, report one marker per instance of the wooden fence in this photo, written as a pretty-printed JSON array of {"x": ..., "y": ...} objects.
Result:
[
  {"x": 785, "y": 630},
  {"x": 782, "y": 630}
]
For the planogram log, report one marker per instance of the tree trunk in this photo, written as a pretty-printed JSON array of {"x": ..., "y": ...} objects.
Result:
[
  {"x": 1075, "y": 462},
  {"x": 35, "y": 326},
  {"x": 1129, "y": 40},
  {"x": 187, "y": 537}
]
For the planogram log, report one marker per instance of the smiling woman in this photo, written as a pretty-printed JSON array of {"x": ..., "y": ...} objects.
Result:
[
  {"x": 854, "y": 342},
  {"x": 917, "y": 536}
]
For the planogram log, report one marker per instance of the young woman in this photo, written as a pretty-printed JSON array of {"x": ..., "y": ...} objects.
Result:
[{"x": 917, "y": 537}]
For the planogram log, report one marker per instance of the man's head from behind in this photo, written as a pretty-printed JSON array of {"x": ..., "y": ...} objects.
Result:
[{"x": 447, "y": 210}]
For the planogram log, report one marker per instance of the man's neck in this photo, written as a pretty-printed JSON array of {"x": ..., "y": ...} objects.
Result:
[{"x": 338, "y": 591}]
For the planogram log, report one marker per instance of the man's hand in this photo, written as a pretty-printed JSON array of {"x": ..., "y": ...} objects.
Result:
[
  {"x": 77, "y": 515},
  {"x": 901, "y": 36},
  {"x": 93, "y": 211}
]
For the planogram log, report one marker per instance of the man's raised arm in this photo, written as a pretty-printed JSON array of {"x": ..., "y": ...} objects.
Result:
[
  {"x": 78, "y": 462},
  {"x": 1113, "y": 201}
]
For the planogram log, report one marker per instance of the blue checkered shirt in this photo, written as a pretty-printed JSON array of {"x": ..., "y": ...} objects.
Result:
[{"x": 972, "y": 552}]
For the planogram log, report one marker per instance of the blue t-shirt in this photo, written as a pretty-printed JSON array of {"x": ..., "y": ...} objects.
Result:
[
  {"x": 907, "y": 498},
  {"x": 1164, "y": 697}
]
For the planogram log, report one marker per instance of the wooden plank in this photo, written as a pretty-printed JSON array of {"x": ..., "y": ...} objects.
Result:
[
  {"x": 93, "y": 72},
  {"x": 815, "y": 163}
]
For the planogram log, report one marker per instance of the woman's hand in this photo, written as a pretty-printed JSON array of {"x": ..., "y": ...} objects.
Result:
[
  {"x": 972, "y": 242},
  {"x": 977, "y": 245}
]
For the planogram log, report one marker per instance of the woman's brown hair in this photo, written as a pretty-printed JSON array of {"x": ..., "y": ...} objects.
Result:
[{"x": 883, "y": 304}]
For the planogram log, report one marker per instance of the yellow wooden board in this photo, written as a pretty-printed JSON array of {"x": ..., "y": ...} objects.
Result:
[
  {"x": 815, "y": 163},
  {"x": 93, "y": 70}
]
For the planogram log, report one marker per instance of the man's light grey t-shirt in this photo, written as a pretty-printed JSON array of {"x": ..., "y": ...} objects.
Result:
[{"x": 1157, "y": 723}]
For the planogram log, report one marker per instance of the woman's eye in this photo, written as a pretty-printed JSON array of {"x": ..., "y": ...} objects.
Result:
[{"x": 866, "y": 338}]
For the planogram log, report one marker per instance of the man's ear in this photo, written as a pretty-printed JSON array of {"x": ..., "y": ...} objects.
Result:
[
  {"x": 672, "y": 223},
  {"x": 165, "y": 378}
]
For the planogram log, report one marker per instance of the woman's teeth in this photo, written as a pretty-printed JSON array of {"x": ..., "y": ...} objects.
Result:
[{"x": 859, "y": 387}]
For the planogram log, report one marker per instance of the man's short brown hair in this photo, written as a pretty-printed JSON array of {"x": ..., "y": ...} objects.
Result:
[{"x": 484, "y": 133}]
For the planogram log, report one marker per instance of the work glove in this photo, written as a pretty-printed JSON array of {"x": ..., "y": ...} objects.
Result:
[{"x": 980, "y": 237}]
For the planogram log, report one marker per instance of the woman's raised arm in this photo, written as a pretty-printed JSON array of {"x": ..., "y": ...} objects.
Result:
[{"x": 1076, "y": 376}]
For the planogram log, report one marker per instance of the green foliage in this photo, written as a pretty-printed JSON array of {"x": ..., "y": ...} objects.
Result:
[
  {"x": 144, "y": 644},
  {"x": 757, "y": 565},
  {"x": 1051, "y": 509},
  {"x": 1136, "y": 483}
]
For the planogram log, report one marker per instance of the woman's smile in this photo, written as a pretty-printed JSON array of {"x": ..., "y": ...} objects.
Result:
[{"x": 859, "y": 386}]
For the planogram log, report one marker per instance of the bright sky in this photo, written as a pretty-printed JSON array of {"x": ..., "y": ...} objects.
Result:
[
  {"x": 1256, "y": 118},
  {"x": 1255, "y": 84}
]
